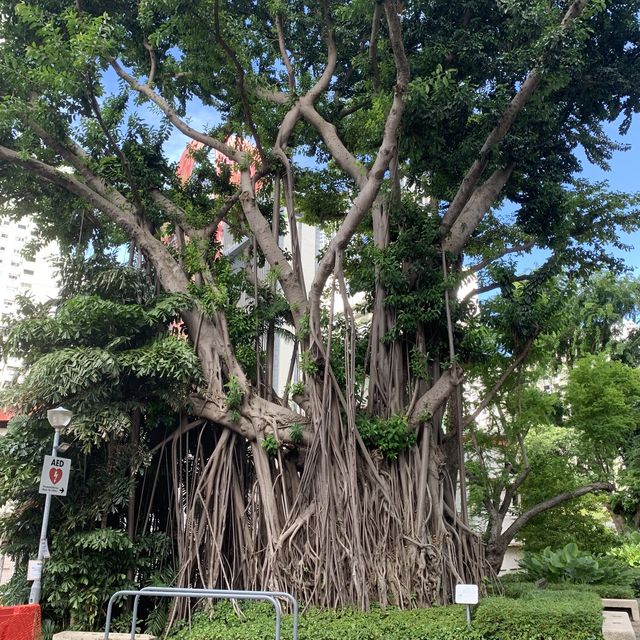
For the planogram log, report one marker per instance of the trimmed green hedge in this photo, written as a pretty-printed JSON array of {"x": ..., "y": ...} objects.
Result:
[
  {"x": 603, "y": 590},
  {"x": 437, "y": 623},
  {"x": 536, "y": 615},
  {"x": 513, "y": 589},
  {"x": 541, "y": 615}
]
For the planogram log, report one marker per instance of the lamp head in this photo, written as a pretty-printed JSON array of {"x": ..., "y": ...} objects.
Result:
[{"x": 59, "y": 418}]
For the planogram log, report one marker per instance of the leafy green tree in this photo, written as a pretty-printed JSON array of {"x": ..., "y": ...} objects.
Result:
[
  {"x": 556, "y": 430},
  {"x": 604, "y": 399},
  {"x": 112, "y": 360},
  {"x": 557, "y": 467},
  {"x": 419, "y": 119}
]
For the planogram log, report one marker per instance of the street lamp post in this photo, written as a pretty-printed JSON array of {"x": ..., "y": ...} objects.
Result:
[{"x": 58, "y": 418}]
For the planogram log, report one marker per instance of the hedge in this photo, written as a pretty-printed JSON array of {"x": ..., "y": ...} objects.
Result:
[
  {"x": 603, "y": 590},
  {"x": 513, "y": 589},
  {"x": 541, "y": 615},
  {"x": 537, "y": 615}
]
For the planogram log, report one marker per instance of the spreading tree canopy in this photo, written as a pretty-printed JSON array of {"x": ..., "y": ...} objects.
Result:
[{"x": 401, "y": 127}]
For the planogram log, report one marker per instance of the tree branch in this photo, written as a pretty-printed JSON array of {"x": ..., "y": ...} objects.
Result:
[
  {"x": 172, "y": 208},
  {"x": 479, "y": 266},
  {"x": 234, "y": 154},
  {"x": 373, "y": 47},
  {"x": 523, "y": 519},
  {"x": 220, "y": 215},
  {"x": 121, "y": 212},
  {"x": 498, "y": 133},
  {"x": 479, "y": 203},
  {"x": 332, "y": 57},
  {"x": 117, "y": 150},
  {"x": 153, "y": 63},
  {"x": 436, "y": 396},
  {"x": 370, "y": 188},
  {"x": 496, "y": 387},
  {"x": 256, "y": 419},
  {"x": 329, "y": 134},
  {"x": 273, "y": 253},
  {"x": 246, "y": 107},
  {"x": 271, "y": 95},
  {"x": 283, "y": 52},
  {"x": 77, "y": 158},
  {"x": 513, "y": 487},
  {"x": 494, "y": 285}
]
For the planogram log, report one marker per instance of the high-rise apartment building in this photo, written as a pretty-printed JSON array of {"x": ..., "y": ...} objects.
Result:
[{"x": 20, "y": 275}]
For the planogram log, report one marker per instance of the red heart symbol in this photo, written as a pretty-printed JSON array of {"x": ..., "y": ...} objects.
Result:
[{"x": 55, "y": 475}]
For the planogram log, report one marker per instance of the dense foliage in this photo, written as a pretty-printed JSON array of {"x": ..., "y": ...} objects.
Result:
[
  {"x": 569, "y": 564},
  {"x": 564, "y": 424},
  {"x": 107, "y": 353}
]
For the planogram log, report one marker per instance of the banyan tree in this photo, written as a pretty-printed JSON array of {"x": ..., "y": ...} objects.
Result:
[{"x": 400, "y": 128}]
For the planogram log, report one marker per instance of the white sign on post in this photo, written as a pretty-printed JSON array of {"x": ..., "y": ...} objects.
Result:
[
  {"x": 466, "y": 594},
  {"x": 34, "y": 570},
  {"x": 44, "y": 549},
  {"x": 55, "y": 476}
]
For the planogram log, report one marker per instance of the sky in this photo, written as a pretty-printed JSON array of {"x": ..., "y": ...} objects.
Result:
[{"x": 624, "y": 175}]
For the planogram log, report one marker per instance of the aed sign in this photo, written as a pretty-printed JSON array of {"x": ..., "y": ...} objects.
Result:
[
  {"x": 55, "y": 476},
  {"x": 466, "y": 594}
]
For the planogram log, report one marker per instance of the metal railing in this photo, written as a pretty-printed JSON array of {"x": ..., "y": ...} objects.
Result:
[{"x": 219, "y": 594}]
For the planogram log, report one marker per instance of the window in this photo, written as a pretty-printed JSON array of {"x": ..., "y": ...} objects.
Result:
[
  {"x": 29, "y": 272},
  {"x": 22, "y": 226},
  {"x": 13, "y": 276}
]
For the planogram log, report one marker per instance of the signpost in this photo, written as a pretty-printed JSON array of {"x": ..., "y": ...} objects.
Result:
[
  {"x": 467, "y": 594},
  {"x": 54, "y": 481}
]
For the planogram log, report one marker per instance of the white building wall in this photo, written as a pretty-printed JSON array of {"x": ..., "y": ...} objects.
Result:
[
  {"x": 20, "y": 276},
  {"x": 311, "y": 240}
]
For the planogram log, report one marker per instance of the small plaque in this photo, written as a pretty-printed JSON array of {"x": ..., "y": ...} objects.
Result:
[
  {"x": 34, "y": 570},
  {"x": 466, "y": 594},
  {"x": 44, "y": 549}
]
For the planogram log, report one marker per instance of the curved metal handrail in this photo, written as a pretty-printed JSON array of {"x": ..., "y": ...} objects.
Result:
[
  {"x": 276, "y": 594},
  {"x": 195, "y": 593}
]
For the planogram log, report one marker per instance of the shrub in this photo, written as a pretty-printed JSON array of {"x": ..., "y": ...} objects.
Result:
[
  {"x": 569, "y": 564},
  {"x": 517, "y": 589},
  {"x": 603, "y": 590},
  {"x": 513, "y": 576},
  {"x": 537, "y": 615},
  {"x": 512, "y": 589},
  {"x": 629, "y": 553},
  {"x": 257, "y": 623},
  {"x": 540, "y": 615},
  {"x": 391, "y": 436}
]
